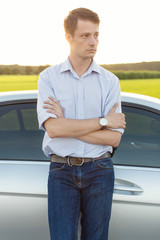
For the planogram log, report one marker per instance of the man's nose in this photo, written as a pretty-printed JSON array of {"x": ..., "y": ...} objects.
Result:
[{"x": 93, "y": 41}]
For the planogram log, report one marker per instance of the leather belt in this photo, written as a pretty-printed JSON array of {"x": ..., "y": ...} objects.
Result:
[{"x": 76, "y": 161}]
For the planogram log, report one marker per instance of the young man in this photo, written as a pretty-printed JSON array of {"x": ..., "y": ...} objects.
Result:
[{"x": 79, "y": 108}]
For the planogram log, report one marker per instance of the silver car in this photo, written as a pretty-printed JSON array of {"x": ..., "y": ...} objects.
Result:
[{"x": 24, "y": 171}]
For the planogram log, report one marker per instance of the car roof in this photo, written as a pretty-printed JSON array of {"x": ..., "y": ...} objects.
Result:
[
  {"x": 18, "y": 95},
  {"x": 141, "y": 99},
  {"x": 125, "y": 96}
]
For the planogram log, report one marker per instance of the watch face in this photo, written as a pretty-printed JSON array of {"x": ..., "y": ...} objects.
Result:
[{"x": 103, "y": 122}]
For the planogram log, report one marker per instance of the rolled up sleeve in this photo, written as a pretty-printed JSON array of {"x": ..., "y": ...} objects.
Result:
[
  {"x": 114, "y": 97},
  {"x": 44, "y": 92}
]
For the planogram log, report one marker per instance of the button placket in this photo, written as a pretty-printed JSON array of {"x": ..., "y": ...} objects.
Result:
[{"x": 80, "y": 100}]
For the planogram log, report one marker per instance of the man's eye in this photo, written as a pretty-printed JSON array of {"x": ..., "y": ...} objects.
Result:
[
  {"x": 96, "y": 35},
  {"x": 85, "y": 35}
]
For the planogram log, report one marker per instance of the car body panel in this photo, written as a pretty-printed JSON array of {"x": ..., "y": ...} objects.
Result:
[
  {"x": 136, "y": 215},
  {"x": 23, "y": 188}
]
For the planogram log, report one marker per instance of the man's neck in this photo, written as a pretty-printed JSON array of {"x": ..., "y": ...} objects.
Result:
[{"x": 80, "y": 66}]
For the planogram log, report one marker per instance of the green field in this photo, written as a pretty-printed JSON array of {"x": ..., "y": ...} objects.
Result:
[
  {"x": 150, "y": 87},
  {"x": 18, "y": 82}
]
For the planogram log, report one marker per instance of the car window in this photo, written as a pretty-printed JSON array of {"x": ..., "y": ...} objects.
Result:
[
  {"x": 140, "y": 144},
  {"x": 6, "y": 124},
  {"x": 20, "y": 137},
  {"x": 27, "y": 115}
]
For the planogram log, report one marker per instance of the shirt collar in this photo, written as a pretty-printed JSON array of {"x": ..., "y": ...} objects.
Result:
[
  {"x": 94, "y": 67},
  {"x": 66, "y": 66}
]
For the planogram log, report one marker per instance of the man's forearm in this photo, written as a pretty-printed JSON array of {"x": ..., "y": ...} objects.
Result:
[
  {"x": 62, "y": 127},
  {"x": 102, "y": 137}
]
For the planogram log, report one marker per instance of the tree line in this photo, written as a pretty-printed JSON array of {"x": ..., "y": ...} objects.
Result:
[
  {"x": 21, "y": 70},
  {"x": 123, "y": 71},
  {"x": 142, "y": 66}
]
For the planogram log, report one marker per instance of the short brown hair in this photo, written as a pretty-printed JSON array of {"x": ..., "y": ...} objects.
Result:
[{"x": 70, "y": 22}]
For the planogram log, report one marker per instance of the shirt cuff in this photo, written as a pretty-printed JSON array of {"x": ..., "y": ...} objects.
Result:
[
  {"x": 117, "y": 130},
  {"x": 43, "y": 118}
]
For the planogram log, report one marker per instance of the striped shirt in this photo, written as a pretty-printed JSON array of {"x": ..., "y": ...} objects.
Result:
[{"x": 89, "y": 96}]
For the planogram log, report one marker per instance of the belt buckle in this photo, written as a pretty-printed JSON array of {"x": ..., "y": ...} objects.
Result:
[{"x": 70, "y": 164}]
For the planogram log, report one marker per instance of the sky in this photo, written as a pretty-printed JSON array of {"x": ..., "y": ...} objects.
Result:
[{"x": 32, "y": 31}]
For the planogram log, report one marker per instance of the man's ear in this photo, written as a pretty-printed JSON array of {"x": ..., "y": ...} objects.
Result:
[{"x": 68, "y": 37}]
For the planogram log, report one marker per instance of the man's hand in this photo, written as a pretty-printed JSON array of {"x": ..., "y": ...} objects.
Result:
[
  {"x": 54, "y": 107},
  {"x": 115, "y": 120}
]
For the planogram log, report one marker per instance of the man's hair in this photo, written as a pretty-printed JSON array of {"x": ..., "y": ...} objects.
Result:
[{"x": 70, "y": 22}]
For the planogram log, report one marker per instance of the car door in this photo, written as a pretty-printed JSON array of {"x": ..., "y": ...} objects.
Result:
[
  {"x": 136, "y": 201},
  {"x": 23, "y": 174}
]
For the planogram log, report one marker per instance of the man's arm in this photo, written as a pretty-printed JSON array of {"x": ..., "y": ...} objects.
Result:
[
  {"x": 80, "y": 128},
  {"x": 62, "y": 127},
  {"x": 102, "y": 137}
]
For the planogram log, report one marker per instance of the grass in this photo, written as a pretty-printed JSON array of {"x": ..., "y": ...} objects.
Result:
[
  {"x": 150, "y": 87},
  {"x": 18, "y": 82}
]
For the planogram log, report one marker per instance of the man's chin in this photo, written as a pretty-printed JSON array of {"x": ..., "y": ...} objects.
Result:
[{"x": 90, "y": 55}]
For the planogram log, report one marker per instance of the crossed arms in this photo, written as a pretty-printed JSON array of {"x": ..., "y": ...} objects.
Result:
[{"x": 87, "y": 130}]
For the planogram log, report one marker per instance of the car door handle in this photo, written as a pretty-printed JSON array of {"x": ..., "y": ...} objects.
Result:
[{"x": 126, "y": 187}]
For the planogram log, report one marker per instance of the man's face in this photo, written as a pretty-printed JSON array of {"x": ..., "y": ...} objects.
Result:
[{"x": 85, "y": 40}]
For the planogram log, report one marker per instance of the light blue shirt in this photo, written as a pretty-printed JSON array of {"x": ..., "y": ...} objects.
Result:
[{"x": 89, "y": 96}]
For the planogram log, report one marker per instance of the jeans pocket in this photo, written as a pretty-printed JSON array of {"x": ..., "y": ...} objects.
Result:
[
  {"x": 105, "y": 163},
  {"x": 56, "y": 166}
]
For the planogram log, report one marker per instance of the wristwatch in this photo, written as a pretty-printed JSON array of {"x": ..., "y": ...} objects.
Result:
[{"x": 103, "y": 122}]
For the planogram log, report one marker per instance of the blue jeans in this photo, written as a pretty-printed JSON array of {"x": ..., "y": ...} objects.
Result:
[{"x": 87, "y": 188}]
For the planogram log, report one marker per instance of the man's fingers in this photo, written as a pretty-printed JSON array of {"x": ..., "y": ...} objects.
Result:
[
  {"x": 53, "y": 106},
  {"x": 48, "y": 107},
  {"x": 51, "y": 103},
  {"x": 54, "y": 100},
  {"x": 52, "y": 111},
  {"x": 114, "y": 108},
  {"x": 58, "y": 114}
]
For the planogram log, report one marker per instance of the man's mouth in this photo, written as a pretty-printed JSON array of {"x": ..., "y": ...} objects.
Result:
[{"x": 91, "y": 50}]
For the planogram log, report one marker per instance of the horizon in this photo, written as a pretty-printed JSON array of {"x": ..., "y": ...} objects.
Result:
[{"x": 16, "y": 64}]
